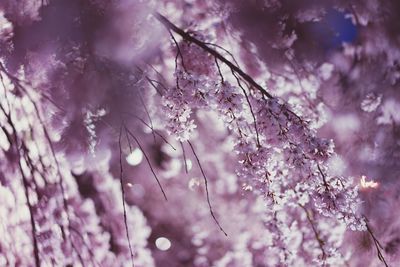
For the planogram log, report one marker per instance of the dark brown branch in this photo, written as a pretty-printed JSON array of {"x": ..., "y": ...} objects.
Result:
[
  {"x": 323, "y": 178},
  {"x": 179, "y": 51},
  {"x": 219, "y": 70},
  {"x": 157, "y": 72},
  {"x": 225, "y": 50},
  {"x": 378, "y": 245},
  {"x": 170, "y": 26}
]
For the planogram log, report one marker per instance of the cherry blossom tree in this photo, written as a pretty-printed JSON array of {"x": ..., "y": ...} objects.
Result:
[{"x": 199, "y": 133}]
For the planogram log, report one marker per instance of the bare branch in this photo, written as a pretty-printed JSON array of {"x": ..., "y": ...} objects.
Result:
[
  {"x": 316, "y": 234},
  {"x": 184, "y": 157},
  {"x": 148, "y": 162},
  {"x": 207, "y": 192},
  {"x": 378, "y": 245},
  {"x": 123, "y": 196}
]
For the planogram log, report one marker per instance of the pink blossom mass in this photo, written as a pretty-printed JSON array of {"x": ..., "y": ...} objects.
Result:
[{"x": 174, "y": 133}]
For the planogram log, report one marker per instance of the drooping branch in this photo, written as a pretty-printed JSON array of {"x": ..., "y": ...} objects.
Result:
[
  {"x": 188, "y": 37},
  {"x": 205, "y": 46},
  {"x": 316, "y": 234},
  {"x": 151, "y": 128},
  {"x": 207, "y": 191},
  {"x": 184, "y": 157},
  {"x": 25, "y": 184},
  {"x": 18, "y": 84},
  {"x": 377, "y": 244},
  {"x": 148, "y": 115},
  {"x": 250, "y": 107},
  {"x": 123, "y": 196},
  {"x": 148, "y": 162}
]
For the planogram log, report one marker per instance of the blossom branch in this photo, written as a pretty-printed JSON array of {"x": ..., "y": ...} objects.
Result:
[
  {"x": 18, "y": 84},
  {"x": 251, "y": 109},
  {"x": 26, "y": 189},
  {"x": 188, "y": 37}
]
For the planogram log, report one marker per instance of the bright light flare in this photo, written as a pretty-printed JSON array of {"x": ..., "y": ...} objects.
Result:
[
  {"x": 135, "y": 157},
  {"x": 163, "y": 243},
  {"x": 368, "y": 184},
  {"x": 189, "y": 164}
]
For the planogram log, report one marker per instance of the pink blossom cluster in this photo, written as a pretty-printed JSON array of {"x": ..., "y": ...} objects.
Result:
[{"x": 199, "y": 133}]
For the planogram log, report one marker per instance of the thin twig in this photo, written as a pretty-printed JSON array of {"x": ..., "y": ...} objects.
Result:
[
  {"x": 157, "y": 72},
  {"x": 154, "y": 86},
  {"x": 148, "y": 115},
  {"x": 92, "y": 257},
  {"x": 28, "y": 160},
  {"x": 207, "y": 192},
  {"x": 323, "y": 177},
  {"x": 251, "y": 109},
  {"x": 184, "y": 157},
  {"x": 316, "y": 234},
  {"x": 378, "y": 245},
  {"x": 148, "y": 161},
  {"x": 179, "y": 51},
  {"x": 148, "y": 126},
  {"x": 123, "y": 196},
  {"x": 219, "y": 70},
  {"x": 225, "y": 50}
]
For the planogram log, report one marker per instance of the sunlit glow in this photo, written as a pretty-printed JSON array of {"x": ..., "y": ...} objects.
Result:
[
  {"x": 194, "y": 183},
  {"x": 247, "y": 187},
  {"x": 173, "y": 168},
  {"x": 137, "y": 190},
  {"x": 337, "y": 165},
  {"x": 189, "y": 164},
  {"x": 135, "y": 157},
  {"x": 147, "y": 130},
  {"x": 78, "y": 166},
  {"x": 368, "y": 184},
  {"x": 163, "y": 243}
]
